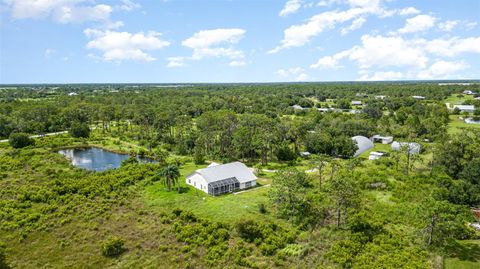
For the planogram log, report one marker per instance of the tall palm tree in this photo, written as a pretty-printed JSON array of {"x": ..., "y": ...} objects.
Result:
[{"x": 170, "y": 175}]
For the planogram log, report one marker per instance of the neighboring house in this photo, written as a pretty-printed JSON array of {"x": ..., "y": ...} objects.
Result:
[
  {"x": 73, "y": 94},
  {"x": 362, "y": 143},
  {"x": 413, "y": 148},
  {"x": 357, "y": 103},
  {"x": 418, "y": 97},
  {"x": 323, "y": 110},
  {"x": 382, "y": 139},
  {"x": 222, "y": 178},
  {"x": 465, "y": 108},
  {"x": 468, "y": 92},
  {"x": 297, "y": 107},
  {"x": 305, "y": 154},
  {"x": 472, "y": 121},
  {"x": 380, "y": 97},
  {"x": 375, "y": 155}
]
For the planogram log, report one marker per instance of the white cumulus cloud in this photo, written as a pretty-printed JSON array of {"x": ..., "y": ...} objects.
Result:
[
  {"x": 293, "y": 73},
  {"x": 382, "y": 76},
  {"x": 408, "y": 11},
  {"x": 175, "y": 62},
  {"x": 128, "y": 5},
  {"x": 356, "y": 24},
  {"x": 291, "y": 6},
  {"x": 216, "y": 43},
  {"x": 62, "y": 11},
  {"x": 448, "y": 26},
  {"x": 120, "y": 46},
  {"x": 386, "y": 51},
  {"x": 300, "y": 34},
  {"x": 442, "y": 70},
  {"x": 409, "y": 58},
  {"x": 418, "y": 24},
  {"x": 451, "y": 47}
]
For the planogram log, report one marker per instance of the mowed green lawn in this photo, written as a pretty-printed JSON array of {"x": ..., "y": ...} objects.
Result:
[
  {"x": 457, "y": 125},
  {"x": 377, "y": 147},
  {"x": 466, "y": 255},
  {"x": 455, "y": 100},
  {"x": 225, "y": 208}
]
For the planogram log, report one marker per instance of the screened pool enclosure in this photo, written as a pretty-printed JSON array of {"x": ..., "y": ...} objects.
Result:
[{"x": 223, "y": 186}]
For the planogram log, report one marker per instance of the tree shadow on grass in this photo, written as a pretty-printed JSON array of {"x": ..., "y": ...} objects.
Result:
[{"x": 464, "y": 251}]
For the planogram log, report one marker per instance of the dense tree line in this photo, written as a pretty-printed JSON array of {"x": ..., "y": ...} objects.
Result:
[{"x": 248, "y": 122}]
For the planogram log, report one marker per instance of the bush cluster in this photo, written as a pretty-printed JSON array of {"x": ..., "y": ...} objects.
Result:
[
  {"x": 269, "y": 237},
  {"x": 113, "y": 247}
]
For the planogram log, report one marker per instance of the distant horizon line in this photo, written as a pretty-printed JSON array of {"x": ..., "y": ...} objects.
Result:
[{"x": 220, "y": 83}]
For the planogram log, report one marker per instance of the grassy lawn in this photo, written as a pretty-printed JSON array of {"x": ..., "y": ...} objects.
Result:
[
  {"x": 226, "y": 208},
  {"x": 457, "y": 125},
  {"x": 455, "y": 100},
  {"x": 465, "y": 255},
  {"x": 301, "y": 164},
  {"x": 377, "y": 147}
]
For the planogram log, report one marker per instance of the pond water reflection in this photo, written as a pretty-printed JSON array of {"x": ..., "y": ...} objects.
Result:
[{"x": 96, "y": 159}]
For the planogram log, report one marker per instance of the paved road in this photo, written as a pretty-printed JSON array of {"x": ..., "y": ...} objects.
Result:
[{"x": 37, "y": 136}]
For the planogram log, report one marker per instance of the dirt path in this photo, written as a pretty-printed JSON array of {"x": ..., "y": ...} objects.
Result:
[{"x": 37, "y": 136}]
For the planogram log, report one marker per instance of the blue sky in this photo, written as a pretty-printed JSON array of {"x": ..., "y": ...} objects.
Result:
[{"x": 165, "y": 41}]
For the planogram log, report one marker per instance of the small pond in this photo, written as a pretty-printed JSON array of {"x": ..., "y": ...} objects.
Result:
[{"x": 96, "y": 159}]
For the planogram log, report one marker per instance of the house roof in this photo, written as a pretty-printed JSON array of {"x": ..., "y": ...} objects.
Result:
[
  {"x": 413, "y": 148},
  {"x": 464, "y": 107},
  {"x": 216, "y": 173},
  {"x": 381, "y": 137},
  {"x": 363, "y": 144},
  {"x": 297, "y": 107}
]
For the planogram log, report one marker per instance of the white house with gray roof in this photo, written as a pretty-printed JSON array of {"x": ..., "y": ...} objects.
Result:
[
  {"x": 465, "y": 108},
  {"x": 217, "y": 179}
]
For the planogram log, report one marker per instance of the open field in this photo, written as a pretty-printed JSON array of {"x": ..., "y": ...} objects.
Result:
[
  {"x": 454, "y": 99},
  {"x": 457, "y": 125}
]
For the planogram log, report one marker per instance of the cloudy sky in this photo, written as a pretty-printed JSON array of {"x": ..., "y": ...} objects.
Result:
[{"x": 82, "y": 41}]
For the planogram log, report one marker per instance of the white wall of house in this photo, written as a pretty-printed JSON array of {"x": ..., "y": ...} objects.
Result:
[{"x": 198, "y": 182}]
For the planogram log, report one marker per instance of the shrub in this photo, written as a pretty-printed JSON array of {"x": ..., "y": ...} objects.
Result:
[
  {"x": 113, "y": 247},
  {"x": 198, "y": 157},
  {"x": 262, "y": 209},
  {"x": 79, "y": 130},
  {"x": 216, "y": 254},
  {"x": 20, "y": 140},
  {"x": 240, "y": 253},
  {"x": 248, "y": 230},
  {"x": 284, "y": 153},
  {"x": 293, "y": 250},
  {"x": 130, "y": 160},
  {"x": 3, "y": 258}
]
